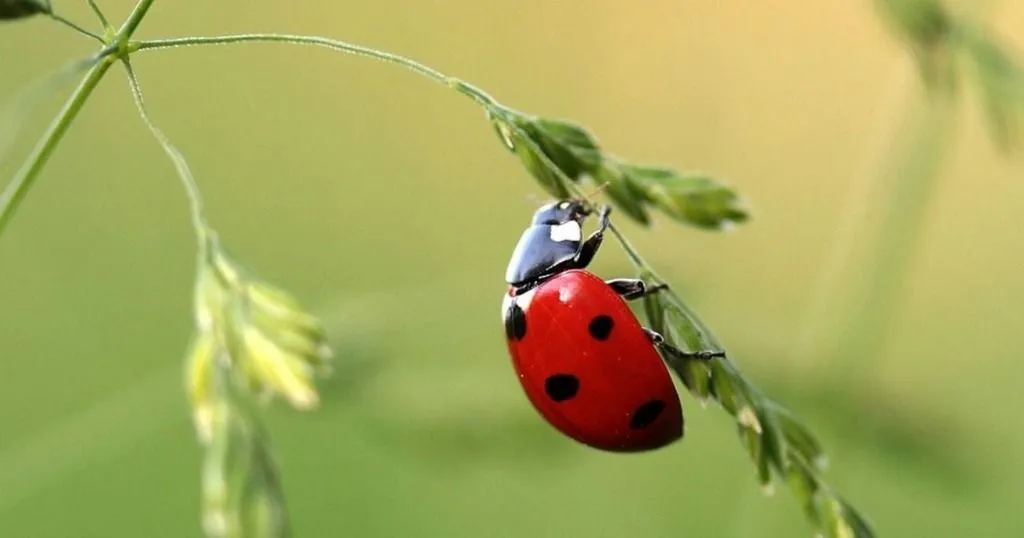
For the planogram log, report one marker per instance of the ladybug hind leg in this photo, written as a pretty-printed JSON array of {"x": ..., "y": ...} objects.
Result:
[
  {"x": 634, "y": 288},
  {"x": 659, "y": 342}
]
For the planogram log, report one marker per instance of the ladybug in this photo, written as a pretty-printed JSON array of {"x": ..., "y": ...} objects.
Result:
[{"x": 583, "y": 359}]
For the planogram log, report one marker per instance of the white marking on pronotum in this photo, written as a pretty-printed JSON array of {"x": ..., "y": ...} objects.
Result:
[
  {"x": 563, "y": 205},
  {"x": 569, "y": 231}
]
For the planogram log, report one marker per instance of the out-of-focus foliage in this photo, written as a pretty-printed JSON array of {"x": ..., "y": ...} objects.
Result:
[
  {"x": 544, "y": 143},
  {"x": 950, "y": 47}
]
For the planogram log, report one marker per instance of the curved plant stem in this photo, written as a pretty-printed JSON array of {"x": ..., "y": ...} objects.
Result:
[
  {"x": 15, "y": 191},
  {"x": 184, "y": 173},
  {"x": 474, "y": 93},
  {"x": 335, "y": 44}
]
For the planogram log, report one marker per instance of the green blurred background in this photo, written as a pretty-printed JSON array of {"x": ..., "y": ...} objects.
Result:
[{"x": 388, "y": 205}]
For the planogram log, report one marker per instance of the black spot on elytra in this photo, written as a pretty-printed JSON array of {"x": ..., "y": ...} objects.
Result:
[
  {"x": 561, "y": 387},
  {"x": 515, "y": 323},
  {"x": 646, "y": 414},
  {"x": 601, "y": 326}
]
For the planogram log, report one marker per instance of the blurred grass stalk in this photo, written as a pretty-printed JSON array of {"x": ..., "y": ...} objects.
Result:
[
  {"x": 900, "y": 197},
  {"x": 882, "y": 227},
  {"x": 909, "y": 181}
]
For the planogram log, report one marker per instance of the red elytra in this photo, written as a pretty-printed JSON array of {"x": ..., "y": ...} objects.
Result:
[{"x": 588, "y": 367}]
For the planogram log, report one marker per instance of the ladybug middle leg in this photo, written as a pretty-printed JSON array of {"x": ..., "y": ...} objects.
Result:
[
  {"x": 634, "y": 288},
  {"x": 659, "y": 342}
]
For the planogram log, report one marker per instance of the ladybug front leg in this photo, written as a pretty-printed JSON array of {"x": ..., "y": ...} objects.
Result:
[
  {"x": 590, "y": 246},
  {"x": 634, "y": 288},
  {"x": 659, "y": 342}
]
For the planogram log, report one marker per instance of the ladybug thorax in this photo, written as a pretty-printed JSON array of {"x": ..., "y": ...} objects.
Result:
[{"x": 542, "y": 248}]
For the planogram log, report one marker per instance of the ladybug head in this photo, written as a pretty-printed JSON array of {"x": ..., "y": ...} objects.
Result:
[
  {"x": 551, "y": 243},
  {"x": 560, "y": 212}
]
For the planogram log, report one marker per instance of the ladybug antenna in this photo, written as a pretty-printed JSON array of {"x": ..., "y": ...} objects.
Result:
[{"x": 597, "y": 190}]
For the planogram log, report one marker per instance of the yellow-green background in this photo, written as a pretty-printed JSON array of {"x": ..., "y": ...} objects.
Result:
[{"x": 387, "y": 203}]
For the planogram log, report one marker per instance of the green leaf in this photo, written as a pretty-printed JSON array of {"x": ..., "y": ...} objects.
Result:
[
  {"x": 653, "y": 308},
  {"x": 544, "y": 143},
  {"x": 694, "y": 199},
  {"x": 624, "y": 192},
  {"x": 775, "y": 449},
  {"x": 503, "y": 130},
  {"x": 695, "y": 374},
  {"x": 530, "y": 154},
  {"x": 834, "y": 520},
  {"x": 684, "y": 333},
  {"x": 567, "y": 144},
  {"x": 799, "y": 437},
  {"x": 854, "y": 521},
  {"x": 926, "y": 26},
  {"x": 19, "y": 9},
  {"x": 805, "y": 488},
  {"x": 535, "y": 163},
  {"x": 924, "y": 23},
  {"x": 687, "y": 333},
  {"x": 752, "y": 441},
  {"x": 723, "y": 389},
  {"x": 1001, "y": 82},
  {"x": 827, "y": 512}
]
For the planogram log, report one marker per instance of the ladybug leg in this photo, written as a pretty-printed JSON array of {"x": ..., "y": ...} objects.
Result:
[
  {"x": 634, "y": 288},
  {"x": 590, "y": 246},
  {"x": 659, "y": 342}
]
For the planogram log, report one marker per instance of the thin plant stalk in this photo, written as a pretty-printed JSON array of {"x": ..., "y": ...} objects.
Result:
[
  {"x": 15, "y": 191},
  {"x": 75, "y": 27},
  {"x": 195, "y": 198},
  {"x": 460, "y": 86},
  {"x": 912, "y": 160},
  {"x": 843, "y": 244},
  {"x": 14, "y": 114},
  {"x": 910, "y": 182}
]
